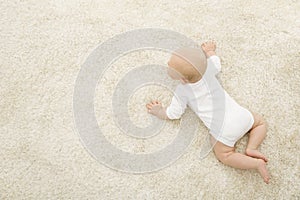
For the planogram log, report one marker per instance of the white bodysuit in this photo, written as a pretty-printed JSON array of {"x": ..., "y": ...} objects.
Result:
[{"x": 226, "y": 120}]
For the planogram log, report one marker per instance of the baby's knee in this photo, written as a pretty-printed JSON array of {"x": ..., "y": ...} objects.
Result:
[
  {"x": 222, "y": 157},
  {"x": 263, "y": 122},
  {"x": 223, "y": 152},
  {"x": 266, "y": 125}
]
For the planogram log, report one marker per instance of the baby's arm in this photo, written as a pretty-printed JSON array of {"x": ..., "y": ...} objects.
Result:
[
  {"x": 209, "y": 48},
  {"x": 174, "y": 110},
  {"x": 156, "y": 108}
]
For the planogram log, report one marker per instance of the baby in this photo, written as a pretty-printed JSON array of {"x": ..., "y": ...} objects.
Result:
[{"x": 201, "y": 91}]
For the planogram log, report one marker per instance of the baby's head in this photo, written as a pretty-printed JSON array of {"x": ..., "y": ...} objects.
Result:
[{"x": 187, "y": 65}]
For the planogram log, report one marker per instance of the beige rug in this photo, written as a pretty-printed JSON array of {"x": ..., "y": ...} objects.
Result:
[{"x": 44, "y": 44}]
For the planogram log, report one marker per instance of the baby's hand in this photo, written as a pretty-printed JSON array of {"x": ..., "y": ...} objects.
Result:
[
  {"x": 209, "y": 48},
  {"x": 156, "y": 108}
]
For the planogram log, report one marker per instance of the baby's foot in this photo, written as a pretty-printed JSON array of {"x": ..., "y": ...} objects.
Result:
[
  {"x": 256, "y": 154},
  {"x": 262, "y": 169}
]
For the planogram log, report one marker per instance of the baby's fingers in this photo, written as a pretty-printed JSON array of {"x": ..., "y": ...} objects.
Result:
[
  {"x": 213, "y": 42},
  {"x": 149, "y": 106},
  {"x": 155, "y": 102}
]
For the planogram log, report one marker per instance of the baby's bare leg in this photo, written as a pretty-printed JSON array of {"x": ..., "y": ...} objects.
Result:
[
  {"x": 228, "y": 156},
  {"x": 256, "y": 136}
]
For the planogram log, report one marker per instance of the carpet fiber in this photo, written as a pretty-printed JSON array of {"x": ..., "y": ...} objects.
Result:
[{"x": 44, "y": 44}]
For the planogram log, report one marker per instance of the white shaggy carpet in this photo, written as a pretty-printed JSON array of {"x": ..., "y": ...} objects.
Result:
[{"x": 44, "y": 43}]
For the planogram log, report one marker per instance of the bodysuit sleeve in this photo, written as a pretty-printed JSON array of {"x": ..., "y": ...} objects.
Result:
[
  {"x": 178, "y": 104},
  {"x": 214, "y": 63}
]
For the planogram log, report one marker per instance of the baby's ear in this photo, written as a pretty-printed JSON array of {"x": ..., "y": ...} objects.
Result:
[{"x": 169, "y": 63}]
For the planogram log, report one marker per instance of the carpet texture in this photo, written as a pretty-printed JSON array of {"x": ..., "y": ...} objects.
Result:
[{"x": 44, "y": 44}]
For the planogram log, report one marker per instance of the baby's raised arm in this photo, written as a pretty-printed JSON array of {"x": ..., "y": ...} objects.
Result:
[{"x": 209, "y": 48}]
